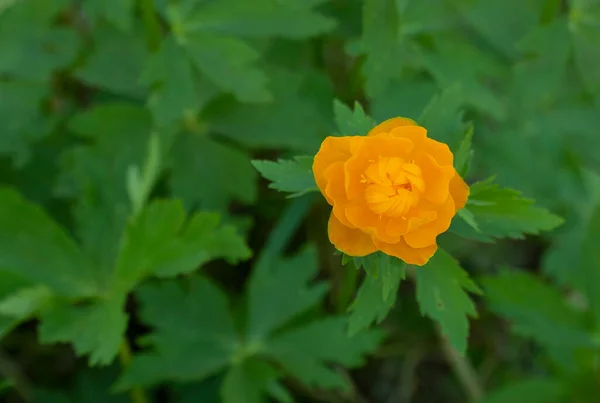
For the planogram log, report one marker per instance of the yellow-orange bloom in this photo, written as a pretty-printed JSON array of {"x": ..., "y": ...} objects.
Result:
[{"x": 394, "y": 190}]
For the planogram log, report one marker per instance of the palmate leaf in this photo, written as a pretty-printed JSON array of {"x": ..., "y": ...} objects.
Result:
[
  {"x": 501, "y": 33},
  {"x": 588, "y": 271},
  {"x": 351, "y": 122},
  {"x": 443, "y": 116},
  {"x": 57, "y": 262},
  {"x": 212, "y": 36},
  {"x": 291, "y": 176},
  {"x": 172, "y": 73},
  {"x": 379, "y": 42},
  {"x": 200, "y": 339},
  {"x": 117, "y": 12},
  {"x": 535, "y": 309},
  {"x": 583, "y": 21},
  {"x": 294, "y": 19},
  {"x": 160, "y": 242},
  {"x": 305, "y": 350},
  {"x": 377, "y": 294},
  {"x": 96, "y": 329},
  {"x": 194, "y": 335},
  {"x": 20, "y": 301},
  {"x": 230, "y": 64},
  {"x": 250, "y": 381},
  {"x": 297, "y": 119},
  {"x": 119, "y": 135},
  {"x": 270, "y": 305},
  {"x": 455, "y": 62},
  {"x": 442, "y": 293},
  {"x": 100, "y": 70},
  {"x": 502, "y": 213},
  {"x": 196, "y": 159}
]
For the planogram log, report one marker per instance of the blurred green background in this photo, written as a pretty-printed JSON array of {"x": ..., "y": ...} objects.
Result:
[{"x": 132, "y": 222}]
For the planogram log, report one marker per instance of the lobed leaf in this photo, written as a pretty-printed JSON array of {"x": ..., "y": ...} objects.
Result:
[
  {"x": 377, "y": 295},
  {"x": 535, "y": 309},
  {"x": 352, "y": 122},
  {"x": 292, "y": 176},
  {"x": 503, "y": 213},
  {"x": 442, "y": 293}
]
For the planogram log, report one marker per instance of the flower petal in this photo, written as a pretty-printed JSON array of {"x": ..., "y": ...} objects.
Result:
[
  {"x": 333, "y": 149},
  {"x": 401, "y": 250},
  {"x": 459, "y": 191},
  {"x": 423, "y": 144},
  {"x": 353, "y": 242},
  {"x": 335, "y": 191},
  {"x": 426, "y": 234},
  {"x": 372, "y": 150},
  {"x": 362, "y": 217},
  {"x": 436, "y": 177},
  {"x": 388, "y": 125}
]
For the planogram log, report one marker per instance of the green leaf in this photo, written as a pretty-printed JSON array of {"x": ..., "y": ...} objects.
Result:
[
  {"x": 442, "y": 287},
  {"x": 23, "y": 121},
  {"x": 291, "y": 19},
  {"x": 425, "y": 16},
  {"x": 95, "y": 386},
  {"x": 535, "y": 309},
  {"x": 464, "y": 154},
  {"x": 456, "y": 63},
  {"x": 381, "y": 45},
  {"x": 100, "y": 70},
  {"x": 180, "y": 91},
  {"x": 230, "y": 64},
  {"x": 96, "y": 329},
  {"x": 304, "y": 351},
  {"x": 32, "y": 47},
  {"x": 118, "y": 135},
  {"x": 248, "y": 382},
  {"x": 540, "y": 390},
  {"x": 560, "y": 260},
  {"x": 352, "y": 122},
  {"x": 583, "y": 22},
  {"x": 588, "y": 271},
  {"x": 194, "y": 335},
  {"x": 408, "y": 96},
  {"x": 280, "y": 291},
  {"x": 57, "y": 262},
  {"x": 209, "y": 175},
  {"x": 293, "y": 176},
  {"x": 504, "y": 213},
  {"x": 442, "y": 117},
  {"x": 297, "y": 119},
  {"x": 37, "y": 55},
  {"x": 160, "y": 242},
  {"x": 25, "y": 302},
  {"x": 376, "y": 296},
  {"x": 370, "y": 263},
  {"x": 117, "y": 12},
  {"x": 501, "y": 33},
  {"x": 140, "y": 180},
  {"x": 540, "y": 76}
]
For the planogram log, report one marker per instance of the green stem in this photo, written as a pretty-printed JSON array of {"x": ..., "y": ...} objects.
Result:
[
  {"x": 462, "y": 369},
  {"x": 138, "y": 395},
  {"x": 151, "y": 24}
]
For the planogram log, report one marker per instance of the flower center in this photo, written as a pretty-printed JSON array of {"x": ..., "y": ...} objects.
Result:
[{"x": 393, "y": 186}]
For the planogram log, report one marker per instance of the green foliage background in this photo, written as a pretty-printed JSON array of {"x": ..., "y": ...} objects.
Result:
[{"x": 144, "y": 259}]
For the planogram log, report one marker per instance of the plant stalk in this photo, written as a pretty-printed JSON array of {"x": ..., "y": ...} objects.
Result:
[
  {"x": 151, "y": 24},
  {"x": 138, "y": 395}
]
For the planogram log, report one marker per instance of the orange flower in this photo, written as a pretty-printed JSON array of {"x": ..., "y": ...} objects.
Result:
[{"x": 394, "y": 190}]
